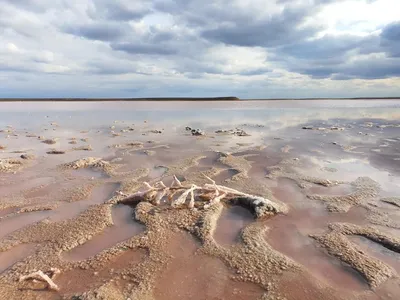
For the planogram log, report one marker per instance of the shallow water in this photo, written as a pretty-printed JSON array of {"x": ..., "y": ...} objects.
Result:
[
  {"x": 124, "y": 228},
  {"x": 378, "y": 251},
  {"x": 230, "y": 224},
  {"x": 70, "y": 210},
  {"x": 15, "y": 254},
  {"x": 196, "y": 276},
  {"x": 276, "y": 136}
]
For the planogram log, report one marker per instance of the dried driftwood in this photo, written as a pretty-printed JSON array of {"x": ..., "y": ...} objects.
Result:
[
  {"x": 41, "y": 276},
  {"x": 203, "y": 197}
]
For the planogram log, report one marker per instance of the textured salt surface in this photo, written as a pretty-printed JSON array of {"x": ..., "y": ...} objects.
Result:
[
  {"x": 124, "y": 227},
  {"x": 68, "y": 217}
]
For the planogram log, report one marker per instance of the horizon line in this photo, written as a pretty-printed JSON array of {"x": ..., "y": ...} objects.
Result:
[{"x": 228, "y": 98}]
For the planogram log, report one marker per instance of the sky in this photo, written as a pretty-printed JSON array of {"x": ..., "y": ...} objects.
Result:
[{"x": 194, "y": 48}]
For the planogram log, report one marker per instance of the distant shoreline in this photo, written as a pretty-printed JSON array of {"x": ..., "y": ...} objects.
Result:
[
  {"x": 119, "y": 99},
  {"x": 189, "y": 99}
]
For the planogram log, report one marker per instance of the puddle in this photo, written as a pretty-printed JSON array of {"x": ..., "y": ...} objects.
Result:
[
  {"x": 78, "y": 280},
  {"x": 15, "y": 254},
  {"x": 89, "y": 172},
  {"x": 230, "y": 224},
  {"x": 289, "y": 234},
  {"x": 285, "y": 237},
  {"x": 24, "y": 184},
  {"x": 157, "y": 172},
  {"x": 308, "y": 213},
  {"x": 287, "y": 191},
  {"x": 378, "y": 251},
  {"x": 124, "y": 227},
  {"x": 351, "y": 169},
  {"x": 211, "y": 160},
  {"x": 339, "y": 190},
  {"x": 258, "y": 171},
  {"x": 8, "y": 225},
  {"x": 199, "y": 277},
  {"x": 389, "y": 290},
  {"x": 225, "y": 175},
  {"x": 98, "y": 196},
  {"x": 198, "y": 169},
  {"x": 42, "y": 192},
  {"x": 294, "y": 286},
  {"x": 6, "y": 211}
]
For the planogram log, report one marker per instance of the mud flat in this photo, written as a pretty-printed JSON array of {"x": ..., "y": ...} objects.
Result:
[{"x": 150, "y": 211}]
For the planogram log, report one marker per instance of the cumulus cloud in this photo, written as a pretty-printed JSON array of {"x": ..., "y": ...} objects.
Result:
[
  {"x": 390, "y": 39},
  {"x": 254, "y": 48},
  {"x": 98, "y": 31},
  {"x": 120, "y": 10}
]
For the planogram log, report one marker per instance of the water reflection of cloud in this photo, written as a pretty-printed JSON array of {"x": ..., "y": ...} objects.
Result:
[{"x": 204, "y": 115}]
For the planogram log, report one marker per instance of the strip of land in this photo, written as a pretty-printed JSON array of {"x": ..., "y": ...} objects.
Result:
[
  {"x": 229, "y": 98},
  {"x": 119, "y": 99}
]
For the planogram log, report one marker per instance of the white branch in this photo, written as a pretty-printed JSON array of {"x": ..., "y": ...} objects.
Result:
[
  {"x": 176, "y": 183},
  {"x": 39, "y": 275},
  {"x": 160, "y": 195},
  {"x": 191, "y": 203},
  {"x": 216, "y": 193}
]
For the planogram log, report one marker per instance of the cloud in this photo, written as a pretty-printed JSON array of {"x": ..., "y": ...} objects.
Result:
[
  {"x": 252, "y": 48},
  {"x": 346, "y": 57},
  {"x": 327, "y": 47},
  {"x": 99, "y": 31},
  {"x": 29, "y": 5},
  {"x": 372, "y": 68},
  {"x": 277, "y": 30},
  {"x": 149, "y": 49},
  {"x": 390, "y": 39},
  {"x": 119, "y": 10}
]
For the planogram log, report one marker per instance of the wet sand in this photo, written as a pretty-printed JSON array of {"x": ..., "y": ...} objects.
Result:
[{"x": 329, "y": 227}]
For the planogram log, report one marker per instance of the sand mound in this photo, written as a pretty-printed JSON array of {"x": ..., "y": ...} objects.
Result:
[{"x": 373, "y": 270}]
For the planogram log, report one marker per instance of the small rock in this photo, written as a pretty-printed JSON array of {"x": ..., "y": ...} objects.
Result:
[
  {"x": 54, "y": 151},
  {"x": 27, "y": 156},
  {"x": 156, "y": 131},
  {"x": 197, "y": 132},
  {"x": 50, "y": 141},
  {"x": 241, "y": 132}
]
